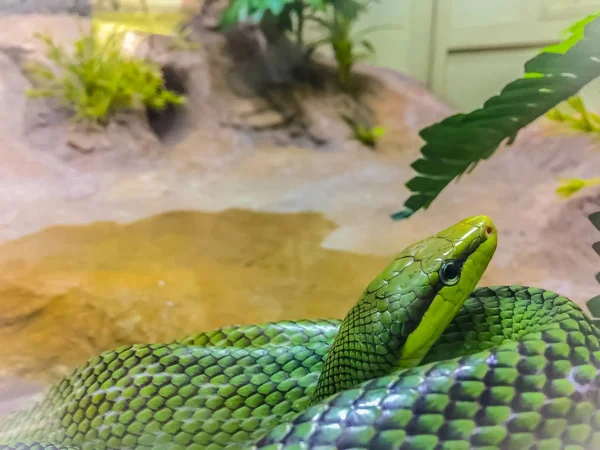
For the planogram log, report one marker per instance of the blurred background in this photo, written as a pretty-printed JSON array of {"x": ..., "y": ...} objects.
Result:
[
  {"x": 465, "y": 51},
  {"x": 247, "y": 186}
]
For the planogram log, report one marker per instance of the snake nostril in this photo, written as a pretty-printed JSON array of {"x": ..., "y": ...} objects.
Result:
[{"x": 488, "y": 231}]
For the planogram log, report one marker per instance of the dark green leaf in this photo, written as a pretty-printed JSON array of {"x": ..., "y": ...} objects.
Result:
[
  {"x": 276, "y": 6},
  {"x": 426, "y": 184},
  {"x": 422, "y": 166},
  {"x": 404, "y": 214},
  {"x": 595, "y": 219},
  {"x": 316, "y": 5},
  {"x": 349, "y": 9},
  {"x": 594, "y": 306},
  {"x": 368, "y": 45},
  {"x": 229, "y": 17},
  {"x": 458, "y": 143}
]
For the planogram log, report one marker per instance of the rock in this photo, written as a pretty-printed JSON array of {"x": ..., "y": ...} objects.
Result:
[
  {"x": 82, "y": 144},
  {"x": 87, "y": 141},
  {"x": 247, "y": 107},
  {"x": 275, "y": 108},
  {"x": 264, "y": 120},
  {"x": 80, "y": 7},
  {"x": 17, "y": 53},
  {"x": 210, "y": 13}
]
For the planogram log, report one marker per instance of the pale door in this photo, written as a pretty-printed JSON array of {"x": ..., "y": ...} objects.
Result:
[{"x": 479, "y": 46}]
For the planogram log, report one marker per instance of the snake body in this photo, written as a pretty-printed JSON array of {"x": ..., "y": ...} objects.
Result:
[{"x": 422, "y": 361}]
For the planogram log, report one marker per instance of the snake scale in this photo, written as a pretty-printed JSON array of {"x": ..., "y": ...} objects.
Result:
[{"x": 424, "y": 360}]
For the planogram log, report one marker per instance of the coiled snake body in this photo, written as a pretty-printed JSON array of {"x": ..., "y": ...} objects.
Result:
[{"x": 422, "y": 361}]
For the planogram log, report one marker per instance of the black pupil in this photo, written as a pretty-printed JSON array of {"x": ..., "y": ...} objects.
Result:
[{"x": 451, "y": 270}]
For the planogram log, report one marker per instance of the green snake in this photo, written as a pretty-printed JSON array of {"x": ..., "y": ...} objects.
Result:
[{"x": 424, "y": 360}]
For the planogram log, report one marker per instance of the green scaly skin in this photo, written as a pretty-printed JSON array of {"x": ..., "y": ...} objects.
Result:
[{"x": 515, "y": 367}]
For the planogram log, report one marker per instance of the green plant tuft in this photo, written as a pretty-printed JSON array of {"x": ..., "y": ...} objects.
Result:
[
  {"x": 281, "y": 12},
  {"x": 348, "y": 48},
  {"x": 365, "y": 134},
  {"x": 570, "y": 186},
  {"x": 97, "y": 80},
  {"x": 335, "y": 17},
  {"x": 580, "y": 119}
]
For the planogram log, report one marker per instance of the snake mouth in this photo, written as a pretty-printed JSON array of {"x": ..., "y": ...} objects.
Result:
[
  {"x": 483, "y": 229},
  {"x": 476, "y": 246},
  {"x": 482, "y": 249},
  {"x": 484, "y": 223}
]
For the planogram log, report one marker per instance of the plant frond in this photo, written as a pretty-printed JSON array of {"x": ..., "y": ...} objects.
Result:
[
  {"x": 594, "y": 303},
  {"x": 459, "y": 142}
]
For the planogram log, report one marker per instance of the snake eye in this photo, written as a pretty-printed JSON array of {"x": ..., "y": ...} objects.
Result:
[{"x": 450, "y": 272}]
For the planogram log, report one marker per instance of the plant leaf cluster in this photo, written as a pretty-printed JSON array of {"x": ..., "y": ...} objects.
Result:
[
  {"x": 97, "y": 80},
  {"x": 362, "y": 132},
  {"x": 335, "y": 17},
  {"x": 570, "y": 186},
  {"x": 348, "y": 48}
]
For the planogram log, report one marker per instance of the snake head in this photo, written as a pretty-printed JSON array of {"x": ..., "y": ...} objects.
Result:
[
  {"x": 406, "y": 308},
  {"x": 443, "y": 269}
]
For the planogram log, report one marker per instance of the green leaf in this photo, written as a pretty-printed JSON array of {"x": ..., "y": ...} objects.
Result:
[
  {"x": 316, "y": 5},
  {"x": 275, "y": 6},
  {"x": 594, "y": 307},
  {"x": 570, "y": 186},
  {"x": 571, "y": 35},
  {"x": 357, "y": 57},
  {"x": 230, "y": 15},
  {"x": 595, "y": 219},
  {"x": 594, "y": 304},
  {"x": 349, "y": 9},
  {"x": 461, "y": 141},
  {"x": 378, "y": 131},
  {"x": 582, "y": 119},
  {"x": 576, "y": 103},
  {"x": 368, "y": 45},
  {"x": 557, "y": 115},
  {"x": 254, "y": 11}
]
